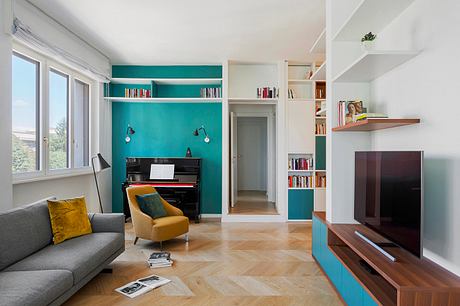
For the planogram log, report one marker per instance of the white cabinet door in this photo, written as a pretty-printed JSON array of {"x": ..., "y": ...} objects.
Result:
[{"x": 301, "y": 126}]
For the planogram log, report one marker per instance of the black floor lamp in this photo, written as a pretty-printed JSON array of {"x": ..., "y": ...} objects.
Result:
[{"x": 103, "y": 164}]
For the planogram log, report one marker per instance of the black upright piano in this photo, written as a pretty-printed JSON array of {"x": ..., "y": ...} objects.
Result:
[{"x": 183, "y": 191}]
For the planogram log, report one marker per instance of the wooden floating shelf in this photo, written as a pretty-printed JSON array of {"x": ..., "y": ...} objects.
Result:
[
  {"x": 167, "y": 81},
  {"x": 371, "y": 15},
  {"x": 164, "y": 100},
  {"x": 374, "y": 124},
  {"x": 320, "y": 73},
  {"x": 373, "y": 64}
]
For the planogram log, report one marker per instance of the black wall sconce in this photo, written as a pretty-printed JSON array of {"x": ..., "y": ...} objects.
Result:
[
  {"x": 129, "y": 131},
  {"x": 196, "y": 133}
]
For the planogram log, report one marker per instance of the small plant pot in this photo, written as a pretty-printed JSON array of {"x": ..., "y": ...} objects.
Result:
[{"x": 368, "y": 45}]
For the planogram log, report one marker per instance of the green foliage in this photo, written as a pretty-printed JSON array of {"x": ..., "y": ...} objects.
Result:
[
  {"x": 369, "y": 37},
  {"x": 23, "y": 156},
  {"x": 58, "y": 146}
]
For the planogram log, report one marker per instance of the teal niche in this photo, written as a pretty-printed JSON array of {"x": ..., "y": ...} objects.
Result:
[{"x": 300, "y": 204}]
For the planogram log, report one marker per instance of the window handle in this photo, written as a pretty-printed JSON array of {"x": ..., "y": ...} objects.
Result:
[{"x": 45, "y": 140}]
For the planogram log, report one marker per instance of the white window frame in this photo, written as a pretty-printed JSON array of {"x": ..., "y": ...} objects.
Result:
[{"x": 44, "y": 173}]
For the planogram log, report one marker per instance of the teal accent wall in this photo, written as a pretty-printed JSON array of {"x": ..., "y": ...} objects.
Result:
[
  {"x": 165, "y": 129},
  {"x": 320, "y": 153},
  {"x": 300, "y": 204}
]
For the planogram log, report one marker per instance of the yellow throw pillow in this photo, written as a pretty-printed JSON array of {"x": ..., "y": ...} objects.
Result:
[{"x": 69, "y": 219}]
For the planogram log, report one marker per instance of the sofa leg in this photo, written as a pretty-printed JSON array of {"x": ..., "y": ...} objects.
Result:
[
  {"x": 135, "y": 240},
  {"x": 186, "y": 237},
  {"x": 107, "y": 270}
]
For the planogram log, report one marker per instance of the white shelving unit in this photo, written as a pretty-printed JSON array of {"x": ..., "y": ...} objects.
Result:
[
  {"x": 167, "y": 81},
  {"x": 370, "y": 15},
  {"x": 163, "y": 100},
  {"x": 373, "y": 64},
  {"x": 319, "y": 46}
]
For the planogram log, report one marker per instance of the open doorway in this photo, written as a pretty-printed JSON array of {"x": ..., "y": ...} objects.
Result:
[{"x": 251, "y": 163}]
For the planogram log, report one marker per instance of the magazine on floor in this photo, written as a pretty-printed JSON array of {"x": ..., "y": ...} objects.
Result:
[
  {"x": 160, "y": 260},
  {"x": 142, "y": 285}
]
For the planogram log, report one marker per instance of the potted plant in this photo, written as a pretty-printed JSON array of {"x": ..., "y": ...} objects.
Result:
[{"x": 368, "y": 41}]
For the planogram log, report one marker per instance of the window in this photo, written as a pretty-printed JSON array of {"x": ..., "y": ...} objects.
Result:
[
  {"x": 26, "y": 102},
  {"x": 51, "y": 117},
  {"x": 58, "y": 120}
]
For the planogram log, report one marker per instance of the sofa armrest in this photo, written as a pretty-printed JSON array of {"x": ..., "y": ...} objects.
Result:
[{"x": 110, "y": 222}]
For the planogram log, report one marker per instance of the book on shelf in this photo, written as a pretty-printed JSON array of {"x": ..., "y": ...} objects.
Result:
[
  {"x": 320, "y": 108},
  {"x": 160, "y": 260},
  {"x": 300, "y": 181},
  {"x": 348, "y": 109},
  {"x": 320, "y": 128},
  {"x": 267, "y": 92},
  {"x": 300, "y": 164},
  {"x": 320, "y": 181},
  {"x": 214, "y": 92},
  {"x": 291, "y": 93},
  {"x": 365, "y": 116},
  {"x": 137, "y": 93}
]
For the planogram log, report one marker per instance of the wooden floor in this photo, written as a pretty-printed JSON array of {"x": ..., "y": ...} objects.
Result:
[
  {"x": 222, "y": 264},
  {"x": 253, "y": 203}
]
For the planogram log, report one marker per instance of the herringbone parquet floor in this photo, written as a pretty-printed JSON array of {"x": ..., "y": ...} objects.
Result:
[{"x": 223, "y": 264}]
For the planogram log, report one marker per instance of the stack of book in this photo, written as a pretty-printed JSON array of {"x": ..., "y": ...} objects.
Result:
[
  {"x": 300, "y": 164},
  {"x": 211, "y": 92},
  {"x": 320, "y": 181},
  {"x": 160, "y": 260},
  {"x": 291, "y": 94},
  {"x": 267, "y": 92},
  {"x": 320, "y": 128},
  {"x": 137, "y": 93},
  {"x": 300, "y": 181}
]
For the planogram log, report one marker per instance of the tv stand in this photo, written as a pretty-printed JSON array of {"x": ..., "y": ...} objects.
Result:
[{"x": 358, "y": 270}]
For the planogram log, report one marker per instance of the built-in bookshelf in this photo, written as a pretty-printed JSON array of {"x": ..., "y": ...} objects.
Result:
[
  {"x": 306, "y": 115},
  {"x": 165, "y": 90}
]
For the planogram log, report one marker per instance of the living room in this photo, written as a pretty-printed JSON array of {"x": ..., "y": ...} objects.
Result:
[{"x": 229, "y": 153}]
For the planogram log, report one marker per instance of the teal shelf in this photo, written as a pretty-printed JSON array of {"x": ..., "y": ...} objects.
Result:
[{"x": 320, "y": 153}]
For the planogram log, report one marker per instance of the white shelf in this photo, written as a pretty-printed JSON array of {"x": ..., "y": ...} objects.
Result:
[
  {"x": 167, "y": 81},
  {"x": 370, "y": 15},
  {"x": 301, "y": 100},
  {"x": 320, "y": 73},
  {"x": 320, "y": 112},
  {"x": 300, "y": 81},
  {"x": 320, "y": 188},
  {"x": 302, "y": 171},
  {"x": 373, "y": 64},
  {"x": 320, "y": 99},
  {"x": 298, "y": 188},
  {"x": 320, "y": 44},
  {"x": 320, "y": 135},
  {"x": 163, "y": 100},
  {"x": 320, "y": 170},
  {"x": 253, "y": 101},
  {"x": 320, "y": 117}
]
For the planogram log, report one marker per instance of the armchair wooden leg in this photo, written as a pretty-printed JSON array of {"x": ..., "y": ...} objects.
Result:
[{"x": 135, "y": 240}]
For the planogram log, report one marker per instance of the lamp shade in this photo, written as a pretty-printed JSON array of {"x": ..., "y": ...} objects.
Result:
[{"x": 103, "y": 164}]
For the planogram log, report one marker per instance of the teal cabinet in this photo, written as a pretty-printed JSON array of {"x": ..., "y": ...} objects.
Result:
[
  {"x": 320, "y": 149},
  {"x": 345, "y": 283},
  {"x": 300, "y": 204}
]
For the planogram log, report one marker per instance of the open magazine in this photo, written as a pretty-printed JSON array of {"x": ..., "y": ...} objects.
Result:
[{"x": 142, "y": 285}]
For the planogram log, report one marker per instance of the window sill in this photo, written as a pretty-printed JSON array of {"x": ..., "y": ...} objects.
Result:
[{"x": 52, "y": 176}]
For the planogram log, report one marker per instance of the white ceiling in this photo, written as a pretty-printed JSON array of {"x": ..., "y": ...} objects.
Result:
[{"x": 192, "y": 32}]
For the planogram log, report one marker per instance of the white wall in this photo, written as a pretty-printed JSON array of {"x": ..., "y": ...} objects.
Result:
[
  {"x": 100, "y": 121},
  {"x": 252, "y": 152},
  {"x": 427, "y": 87},
  {"x": 5, "y": 106}
]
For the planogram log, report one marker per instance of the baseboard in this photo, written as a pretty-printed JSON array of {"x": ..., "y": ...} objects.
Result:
[{"x": 211, "y": 216}]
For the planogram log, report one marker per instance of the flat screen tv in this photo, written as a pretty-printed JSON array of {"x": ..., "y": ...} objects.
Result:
[{"x": 389, "y": 196}]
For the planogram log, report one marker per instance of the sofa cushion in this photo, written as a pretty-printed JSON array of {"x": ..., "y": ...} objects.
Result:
[
  {"x": 79, "y": 255},
  {"x": 69, "y": 219},
  {"x": 25, "y": 230},
  {"x": 33, "y": 287}
]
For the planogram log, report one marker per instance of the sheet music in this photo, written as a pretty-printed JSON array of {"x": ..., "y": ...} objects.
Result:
[{"x": 162, "y": 171}]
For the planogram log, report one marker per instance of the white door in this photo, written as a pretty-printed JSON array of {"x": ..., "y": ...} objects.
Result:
[{"x": 234, "y": 159}]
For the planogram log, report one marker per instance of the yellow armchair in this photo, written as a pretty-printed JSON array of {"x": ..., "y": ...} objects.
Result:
[{"x": 159, "y": 229}]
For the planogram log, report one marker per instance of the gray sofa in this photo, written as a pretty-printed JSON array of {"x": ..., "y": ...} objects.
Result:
[{"x": 33, "y": 271}]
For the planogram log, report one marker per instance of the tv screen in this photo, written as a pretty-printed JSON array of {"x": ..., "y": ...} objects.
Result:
[{"x": 388, "y": 196}]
